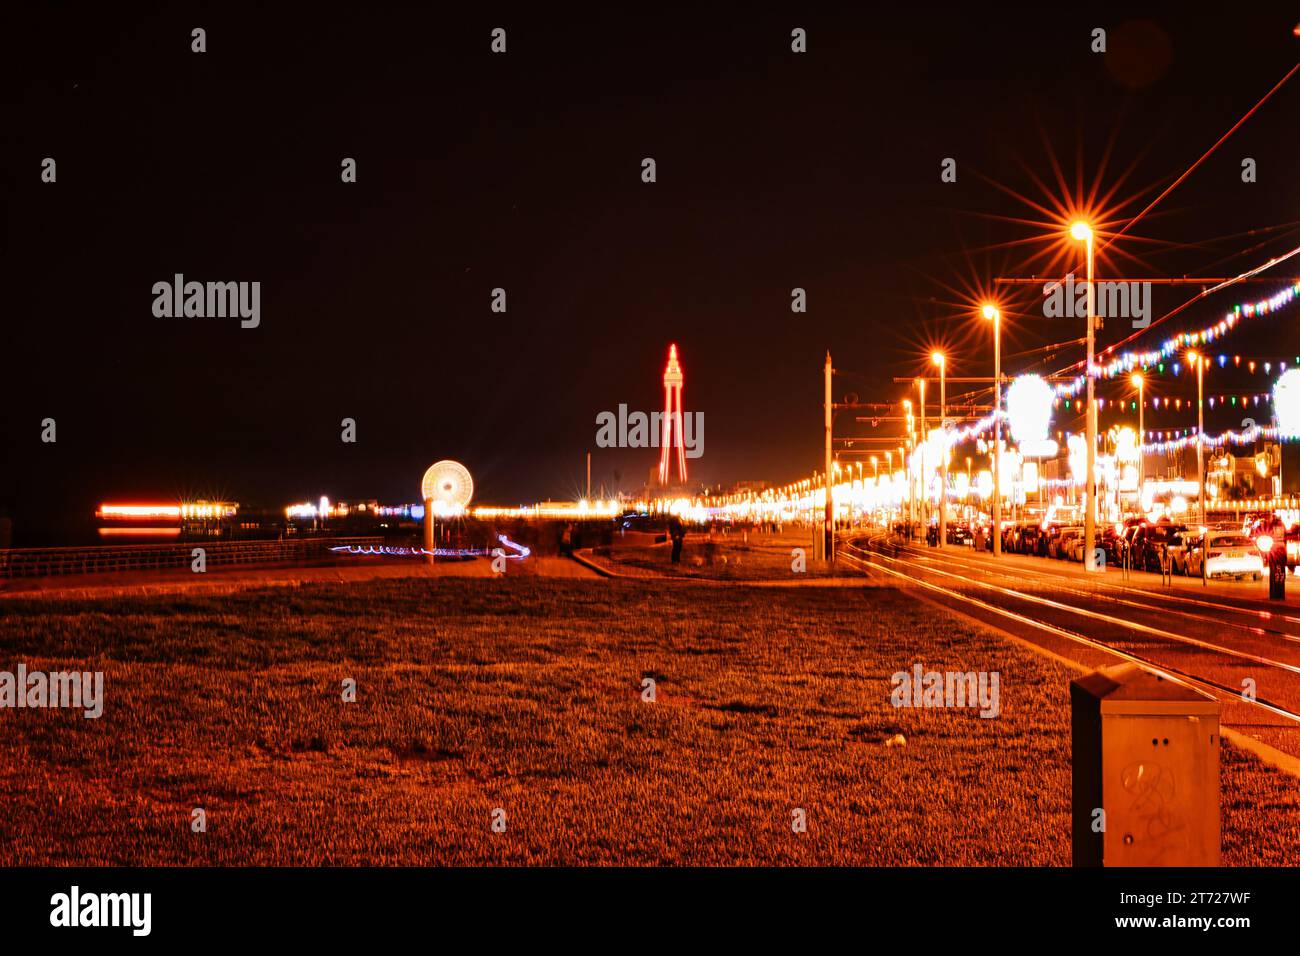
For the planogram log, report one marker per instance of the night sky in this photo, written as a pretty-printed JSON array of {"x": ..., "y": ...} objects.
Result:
[{"x": 522, "y": 170}]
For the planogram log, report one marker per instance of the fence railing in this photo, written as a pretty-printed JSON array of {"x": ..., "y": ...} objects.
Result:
[{"x": 46, "y": 562}]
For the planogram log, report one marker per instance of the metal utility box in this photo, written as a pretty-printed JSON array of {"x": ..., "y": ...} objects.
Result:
[{"x": 1146, "y": 752}]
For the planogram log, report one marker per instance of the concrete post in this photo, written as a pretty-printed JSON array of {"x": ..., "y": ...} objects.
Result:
[{"x": 428, "y": 528}]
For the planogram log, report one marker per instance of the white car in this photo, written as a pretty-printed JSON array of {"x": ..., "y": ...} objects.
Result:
[{"x": 1228, "y": 554}]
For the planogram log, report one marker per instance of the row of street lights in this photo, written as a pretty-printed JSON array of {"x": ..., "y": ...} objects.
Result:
[{"x": 1080, "y": 232}]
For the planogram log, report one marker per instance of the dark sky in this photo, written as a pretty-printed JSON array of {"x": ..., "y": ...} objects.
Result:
[{"x": 522, "y": 170}]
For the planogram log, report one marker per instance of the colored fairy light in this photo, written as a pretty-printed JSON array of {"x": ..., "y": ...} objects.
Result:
[{"x": 1128, "y": 361}]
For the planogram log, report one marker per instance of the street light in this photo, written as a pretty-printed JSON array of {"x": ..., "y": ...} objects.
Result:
[
  {"x": 991, "y": 313},
  {"x": 937, "y": 359},
  {"x": 925, "y": 492},
  {"x": 875, "y": 491},
  {"x": 1139, "y": 383},
  {"x": 907, "y": 468},
  {"x": 858, "y": 466},
  {"x": 889, "y": 475},
  {"x": 1082, "y": 232},
  {"x": 1199, "y": 361}
]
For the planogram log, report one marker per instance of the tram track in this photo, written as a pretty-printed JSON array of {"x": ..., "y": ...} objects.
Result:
[
  {"x": 1163, "y": 602},
  {"x": 1060, "y": 615}
]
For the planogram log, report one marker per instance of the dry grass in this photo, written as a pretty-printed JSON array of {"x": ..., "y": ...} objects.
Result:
[
  {"x": 733, "y": 556},
  {"x": 524, "y": 694}
]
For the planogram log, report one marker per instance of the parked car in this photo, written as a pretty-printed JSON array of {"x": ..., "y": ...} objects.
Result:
[
  {"x": 1050, "y": 536},
  {"x": 1179, "y": 547},
  {"x": 1063, "y": 543},
  {"x": 1111, "y": 539},
  {"x": 1151, "y": 543},
  {"x": 1118, "y": 539},
  {"x": 959, "y": 533},
  {"x": 1010, "y": 536},
  {"x": 1047, "y": 538},
  {"x": 1293, "y": 547},
  {"x": 1030, "y": 534},
  {"x": 1225, "y": 554}
]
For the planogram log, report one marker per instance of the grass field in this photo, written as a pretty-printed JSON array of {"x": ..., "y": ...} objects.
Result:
[
  {"x": 734, "y": 556},
  {"x": 525, "y": 694}
]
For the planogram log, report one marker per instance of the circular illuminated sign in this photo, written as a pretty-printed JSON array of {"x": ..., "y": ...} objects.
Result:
[{"x": 449, "y": 486}]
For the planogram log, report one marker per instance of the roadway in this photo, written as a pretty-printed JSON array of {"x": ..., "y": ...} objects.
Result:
[{"x": 1216, "y": 637}]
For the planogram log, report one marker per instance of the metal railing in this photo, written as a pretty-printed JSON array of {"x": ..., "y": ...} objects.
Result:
[{"x": 48, "y": 562}]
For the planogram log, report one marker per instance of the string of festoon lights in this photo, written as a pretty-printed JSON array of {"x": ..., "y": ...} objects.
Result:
[
  {"x": 1253, "y": 366},
  {"x": 1213, "y": 401},
  {"x": 1132, "y": 361},
  {"x": 1029, "y": 395},
  {"x": 1243, "y": 436},
  {"x": 1286, "y": 411}
]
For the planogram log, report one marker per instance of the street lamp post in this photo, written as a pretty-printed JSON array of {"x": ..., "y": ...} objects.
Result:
[
  {"x": 995, "y": 317},
  {"x": 920, "y": 444},
  {"x": 1199, "y": 362},
  {"x": 889, "y": 476},
  {"x": 966, "y": 497},
  {"x": 1082, "y": 232},
  {"x": 907, "y": 469},
  {"x": 938, "y": 360},
  {"x": 1140, "y": 384},
  {"x": 875, "y": 464},
  {"x": 862, "y": 493},
  {"x": 835, "y": 518}
]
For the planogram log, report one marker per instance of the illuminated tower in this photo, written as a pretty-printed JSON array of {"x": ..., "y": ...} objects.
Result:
[{"x": 672, "y": 420}]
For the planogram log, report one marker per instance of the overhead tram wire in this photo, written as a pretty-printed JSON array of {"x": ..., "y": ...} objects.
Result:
[
  {"x": 1075, "y": 366},
  {"x": 1206, "y": 155},
  {"x": 1169, "y": 189}
]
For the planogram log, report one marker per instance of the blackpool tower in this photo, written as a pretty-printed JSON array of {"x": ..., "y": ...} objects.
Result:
[{"x": 672, "y": 420}]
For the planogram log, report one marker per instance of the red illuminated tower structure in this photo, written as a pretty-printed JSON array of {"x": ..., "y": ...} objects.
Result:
[{"x": 672, "y": 420}]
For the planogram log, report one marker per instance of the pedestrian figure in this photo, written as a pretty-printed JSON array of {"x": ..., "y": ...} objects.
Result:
[{"x": 677, "y": 532}]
